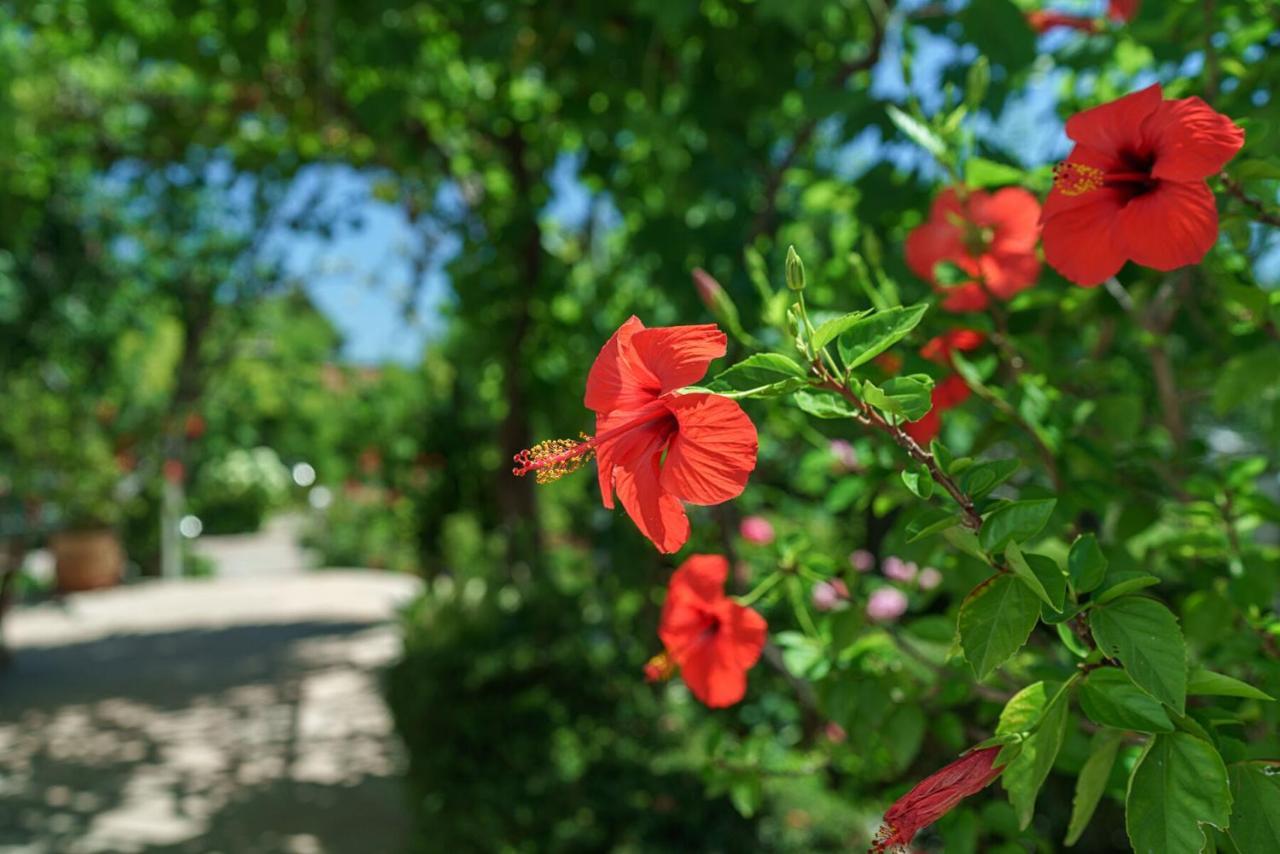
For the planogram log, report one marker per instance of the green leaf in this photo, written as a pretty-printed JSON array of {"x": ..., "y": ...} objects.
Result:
[
  {"x": 761, "y": 375},
  {"x": 907, "y": 396},
  {"x": 1144, "y": 636},
  {"x": 1051, "y": 577},
  {"x": 868, "y": 337},
  {"x": 1001, "y": 32},
  {"x": 822, "y": 403},
  {"x": 980, "y": 172},
  {"x": 1110, "y": 698},
  {"x": 829, "y": 330},
  {"x": 919, "y": 481},
  {"x": 1206, "y": 683},
  {"x": 917, "y": 132},
  {"x": 930, "y": 520},
  {"x": 1255, "y": 812},
  {"x": 1014, "y": 521},
  {"x": 1092, "y": 781},
  {"x": 1178, "y": 784},
  {"x": 980, "y": 478},
  {"x": 1122, "y": 583},
  {"x": 1026, "y": 773},
  {"x": 1086, "y": 563},
  {"x": 995, "y": 620},
  {"x": 1017, "y": 563}
]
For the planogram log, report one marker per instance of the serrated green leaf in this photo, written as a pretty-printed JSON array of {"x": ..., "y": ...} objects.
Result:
[
  {"x": 1015, "y": 521},
  {"x": 829, "y": 330},
  {"x": 918, "y": 481},
  {"x": 1206, "y": 683},
  {"x": 1144, "y": 636},
  {"x": 1086, "y": 563},
  {"x": 980, "y": 478},
  {"x": 822, "y": 403},
  {"x": 1092, "y": 781},
  {"x": 1123, "y": 583},
  {"x": 908, "y": 397},
  {"x": 1109, "y": 697},
  {"x": 1026, "y": 773},
  {"x": 917, "y": 132},
  {"x": 995, "y": 620},
  {"x": 1255, "y": 810},
  {"x": 1052, "y": 579},
  {"x": 868, "y": 337},
  {"x": 1179, "y": 784},
  {"x": 761, "y": 375},
  {"x": 930, "y": 520},
  {"x": 1013, "y": 556}
]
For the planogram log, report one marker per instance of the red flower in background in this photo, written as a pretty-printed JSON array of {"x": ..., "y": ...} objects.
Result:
[
  {"x": 990, "y": 237},
  {"x": 656, "y": 448},
  {"x": 935, "y": 796},
  {"x": 1123, "y": 11},
  {"x": 1120, "y": 11},
  {"x": 712, "y": 638},
  {"x": 940, "y": 348},
  {"x": 1133, "y": 188},
  {"x": 1042, "y": 21}
]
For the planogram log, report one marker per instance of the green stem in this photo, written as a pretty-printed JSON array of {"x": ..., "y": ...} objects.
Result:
[
  {"x": 762, "y": 588},
  {"x": 802, "y": 613}
]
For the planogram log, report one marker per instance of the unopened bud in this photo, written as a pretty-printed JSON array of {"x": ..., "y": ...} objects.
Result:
[
  {"x": 795, "y": 270},
  {"x": 709, "y": 290}
]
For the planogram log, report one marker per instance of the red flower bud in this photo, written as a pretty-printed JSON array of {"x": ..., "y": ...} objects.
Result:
[{"x": 935, "y": 796}]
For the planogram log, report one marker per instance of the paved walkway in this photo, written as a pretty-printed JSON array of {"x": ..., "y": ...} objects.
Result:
[{"x": 230, "y": 715}]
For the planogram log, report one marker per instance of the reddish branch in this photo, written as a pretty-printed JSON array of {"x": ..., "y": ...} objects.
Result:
[{"x": 870, "y": 418}]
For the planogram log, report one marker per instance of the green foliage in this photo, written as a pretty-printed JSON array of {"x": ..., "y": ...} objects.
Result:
[
  {"x": 995, "y": 621},
  {"x": 1179, "y": 788}
]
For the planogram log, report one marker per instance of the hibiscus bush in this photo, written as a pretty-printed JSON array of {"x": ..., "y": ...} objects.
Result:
[{"x": 1063, "y": 564}]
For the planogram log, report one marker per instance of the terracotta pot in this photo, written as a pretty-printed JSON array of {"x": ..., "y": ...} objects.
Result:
[{"x": 87, "y": 560}]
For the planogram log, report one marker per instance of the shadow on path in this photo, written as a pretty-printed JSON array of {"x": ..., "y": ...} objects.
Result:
[{"x": 252, "y": 738}]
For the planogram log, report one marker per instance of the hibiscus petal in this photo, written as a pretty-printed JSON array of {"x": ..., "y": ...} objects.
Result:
[
  {"x": 714, "y": 449},
  {"x": 931, "y": 243},
  {"x": 1192, "y": 140},
  {"x": 679, "y": 355},
  {"x": 713, "y": 676},
  {"x": 966, "y": 297},
  {"x": 616, "y": 381},
  {"x": 1172, "y": 226},
  {"x": 702, "y": 575},
  {"x": 1013, "y": 214},
  {"x": 657, "y": 513},
  {"x": 925, "y": 428},
  {"x": 742, "y": 634},
  {"x": 1009, "y": 273},
  {"x": 1113, "y": 128},
  {"x": 1082, "y": 243},
  {"x": 626, "y": 448}
]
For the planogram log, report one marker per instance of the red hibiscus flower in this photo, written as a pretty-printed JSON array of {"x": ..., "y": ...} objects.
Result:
[
  {"x": 1043, "y": 21},
  {"x": 990, "y": 237},
  {"x": 712, "y": 638},
  {"x": 1123, "y": 11},
  {"x": 654, "y": 446},
  {"x": 1133, "y": 188},
  {"x": 940, "y": 348},
  {"x": 935, "y": 796}
]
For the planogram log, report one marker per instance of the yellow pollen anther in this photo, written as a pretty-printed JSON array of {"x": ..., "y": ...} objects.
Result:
[
  {"x": 552, "y": 459},
  {"x": 660, "y": 668},
  {"x": 1076, "y": 179}
]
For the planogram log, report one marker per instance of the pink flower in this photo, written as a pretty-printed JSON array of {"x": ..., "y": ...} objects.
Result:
[
  {"x": 835, "y": 733},
  {"x": 829, "y": 594},
  {"x": 886, "y": 604},
  {"x": 862, "y": 560},
  {"x": 929, "y": 578},
  {"x": 899, "y": 570},
  {"x": 846, "y": 456},
  {"x": 756, "y": 529}
]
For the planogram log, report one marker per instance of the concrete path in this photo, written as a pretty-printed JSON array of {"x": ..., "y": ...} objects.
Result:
[
  {"x": 274, "y": 550},
  {"x": 230, "y": 715}
]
